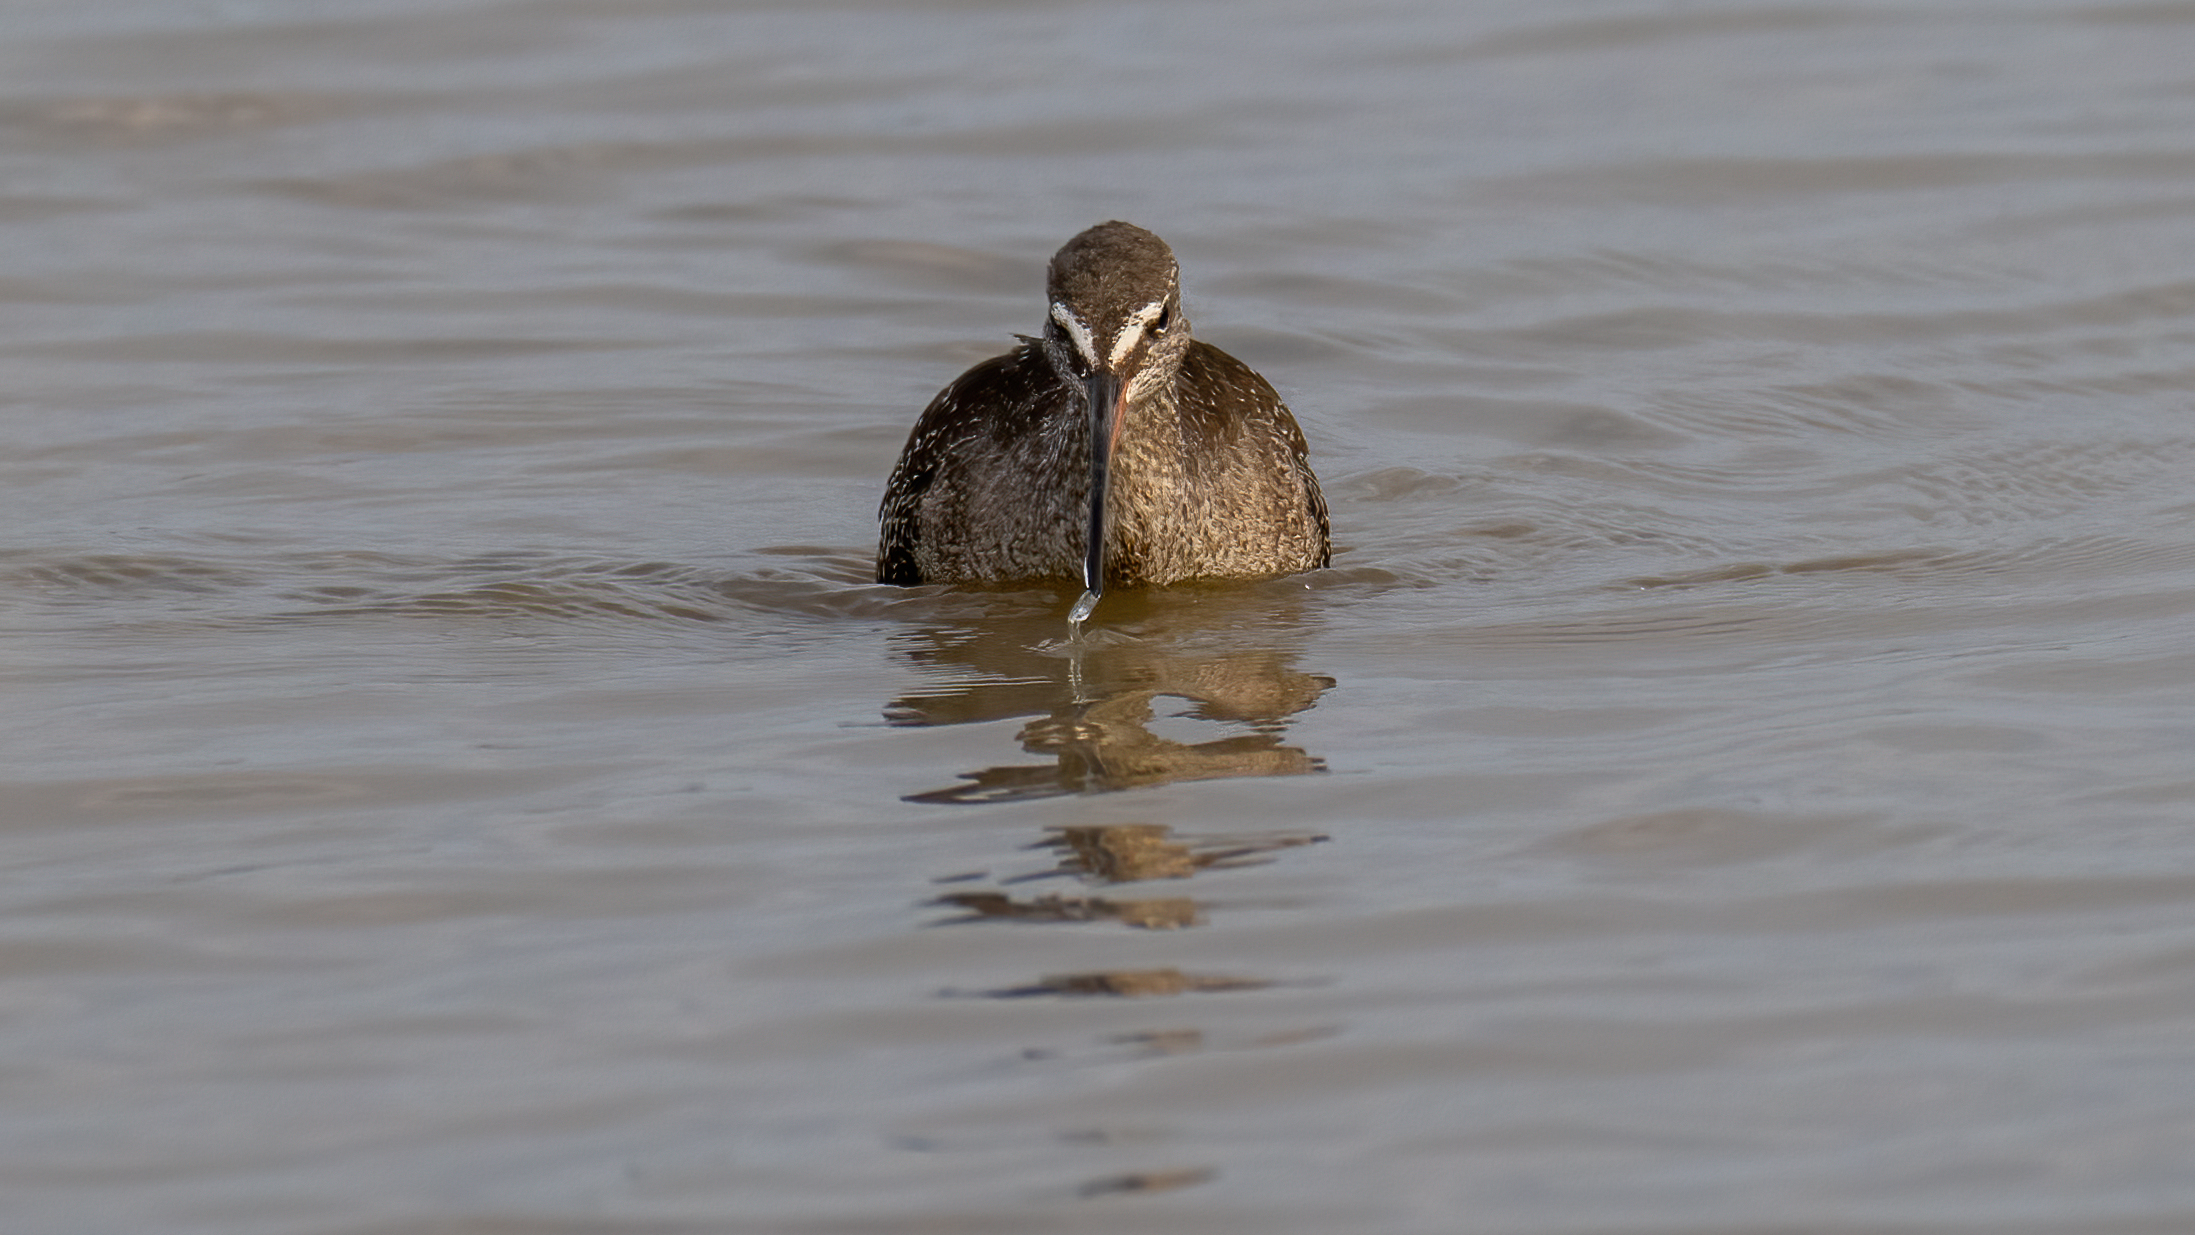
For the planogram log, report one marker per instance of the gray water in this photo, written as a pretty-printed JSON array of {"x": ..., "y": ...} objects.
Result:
[{"x": 1735, "y": 777}]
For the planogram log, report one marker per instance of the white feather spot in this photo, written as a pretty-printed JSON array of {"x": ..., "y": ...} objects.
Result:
[
  {"x": 1076, "y": 331},
  {"x": 1133, "y": 329}
]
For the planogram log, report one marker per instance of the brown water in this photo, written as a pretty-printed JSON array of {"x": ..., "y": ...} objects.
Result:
[{"x": 1735, "y": 778}]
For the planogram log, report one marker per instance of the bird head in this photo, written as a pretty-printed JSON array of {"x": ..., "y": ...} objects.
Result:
[{"x": 1115, "y": 333}]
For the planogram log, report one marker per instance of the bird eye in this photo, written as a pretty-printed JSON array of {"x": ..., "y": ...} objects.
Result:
[{"x": 1165, "y": 319}]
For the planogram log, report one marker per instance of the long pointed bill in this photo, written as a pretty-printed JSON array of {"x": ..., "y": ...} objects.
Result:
[{"x": 1105, "y": 397}]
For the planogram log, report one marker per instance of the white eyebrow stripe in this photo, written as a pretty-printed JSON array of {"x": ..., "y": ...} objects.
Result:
[
  {"x": 1133, "y": 329},
  {"x": 1076, "y": 331}
]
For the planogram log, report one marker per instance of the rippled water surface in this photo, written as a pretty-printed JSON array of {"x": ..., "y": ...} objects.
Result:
[{"x": 1734, "y": 778}]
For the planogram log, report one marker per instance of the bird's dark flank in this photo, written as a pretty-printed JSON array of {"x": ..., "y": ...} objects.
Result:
[{"x": 1113, "y": 449}]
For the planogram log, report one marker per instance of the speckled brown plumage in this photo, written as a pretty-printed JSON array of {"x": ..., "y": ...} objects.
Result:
[{"x": 1208, "y": 473}]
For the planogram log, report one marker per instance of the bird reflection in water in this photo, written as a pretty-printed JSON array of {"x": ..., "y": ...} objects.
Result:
[
  {"x": 1099, "y": 704},
  {"x": 1132, "y": 852},
  {"x": 1093, "y": 706},
  {"x": 1160, "y": 913},
  {"x": 1124, "y": 853},
  {"x": 1123, "y": 983}
]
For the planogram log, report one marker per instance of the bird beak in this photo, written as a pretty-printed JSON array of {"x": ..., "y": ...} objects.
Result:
[{"x": 1105, "y": 396}]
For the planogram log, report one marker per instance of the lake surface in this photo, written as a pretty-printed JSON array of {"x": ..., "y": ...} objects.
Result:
[{"x": 1735, "y": 778}]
